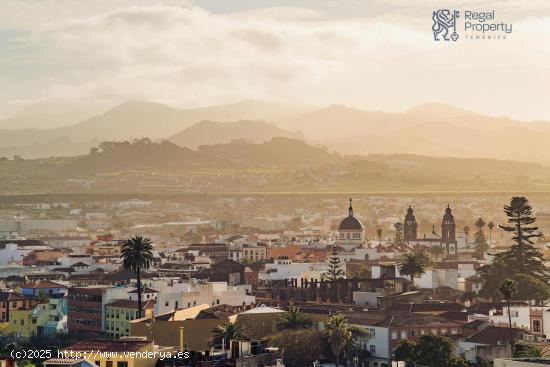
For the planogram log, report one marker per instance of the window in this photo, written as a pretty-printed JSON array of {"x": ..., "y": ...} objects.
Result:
[
  {"x": 394, "y": 335},
  {"x": 372, "y": 333},
  {"x": 443, "y": 331},
  {"x": 166, "y": 303},
  {"x": 434, "y": 331},
  {"x": 403, "y": 334},
  {"x": 422, "y": 332},
  {"x": 109, "y": 364},
  {"x": 536, "y": 325},
  {"x": 454, "y": 331},
  {"x": 98, "y": 363},
  {"x": 373, "y": 349},
  {"x": 122, "y": 364}
]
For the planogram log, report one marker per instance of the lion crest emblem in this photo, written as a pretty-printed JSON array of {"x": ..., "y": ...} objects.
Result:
[{"x": 444, "y": 21}]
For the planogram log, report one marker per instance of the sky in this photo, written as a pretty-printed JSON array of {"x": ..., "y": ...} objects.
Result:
[{"x": 370, "y": 54}]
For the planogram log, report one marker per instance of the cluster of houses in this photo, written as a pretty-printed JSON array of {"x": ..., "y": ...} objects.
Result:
[{"x": 192, "y": 289}]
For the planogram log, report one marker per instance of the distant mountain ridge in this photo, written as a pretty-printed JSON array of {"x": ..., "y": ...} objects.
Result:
[
  {"x": 210, "y": 132},
  {"x": 137, "y": 119},
  {"x": 431, "y": 129}
]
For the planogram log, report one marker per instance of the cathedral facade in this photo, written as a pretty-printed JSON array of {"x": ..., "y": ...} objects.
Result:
[{"x": 447, "y": 240}]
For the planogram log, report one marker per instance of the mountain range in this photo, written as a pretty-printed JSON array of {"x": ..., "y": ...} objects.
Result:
[{"x": 431, "y": 129}]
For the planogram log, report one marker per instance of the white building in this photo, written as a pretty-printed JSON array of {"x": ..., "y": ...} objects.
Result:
[
  {"x": 13, "y": 253},
  {"x": 286, "y": 269},
  {"x": 194, "y": 292}
]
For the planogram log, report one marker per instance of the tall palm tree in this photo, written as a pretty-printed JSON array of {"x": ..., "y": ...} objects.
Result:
[
  {"x": 508, "y": 288},
  {"x": 294, "y": 319},
  {"x": 226, "y": 332},
  {"x": 137, "y": 255},
  {"x": 338, "y": 334},
  {"x": 491, "y": 225},
  {"x": 466, "y": 230}
]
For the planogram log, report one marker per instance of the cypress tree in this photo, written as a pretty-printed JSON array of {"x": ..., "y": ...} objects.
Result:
[{"x": 480, "y": 242}]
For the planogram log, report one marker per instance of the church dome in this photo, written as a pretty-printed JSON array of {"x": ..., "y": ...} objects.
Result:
[{"x": 350, "y": 223}]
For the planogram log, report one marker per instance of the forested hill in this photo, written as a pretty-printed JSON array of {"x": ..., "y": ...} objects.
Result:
[{"x": 279, "y": 165}]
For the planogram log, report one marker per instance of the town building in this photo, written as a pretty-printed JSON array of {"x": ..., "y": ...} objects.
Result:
[{"x": 119, "y": 313}]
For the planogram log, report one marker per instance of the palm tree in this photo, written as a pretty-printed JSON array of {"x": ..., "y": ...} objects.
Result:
[
  {"x": 379, "y": 234},
  {"x": 534, "y": 351},
  {"x": 294, "y": 319},
  {"x": 491, "y": 225},
  {"x": 136, "y": 256},
  {"x": 414, "y": 264},
  {"x": 466, "y": 230},
  {"x": 338, "y": 334},
  {"x": 508, "y": 288},
  {"x": 436, "y": 252},
  {"x": 226, "y": 332}
]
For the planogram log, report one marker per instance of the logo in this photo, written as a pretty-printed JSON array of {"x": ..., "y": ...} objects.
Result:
[{"x": 444, "y": 22}]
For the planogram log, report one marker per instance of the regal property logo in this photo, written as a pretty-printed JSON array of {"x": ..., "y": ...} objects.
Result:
[
  {"x": 443, "y": 22},
  {"x": 476, "y": 25}
]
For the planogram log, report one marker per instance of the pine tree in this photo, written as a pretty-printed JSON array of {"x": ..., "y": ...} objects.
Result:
[
  {"x": 334, "y": 270},
  {"x": 480, "y": 242},
  {"x": 523, "y": 257}
]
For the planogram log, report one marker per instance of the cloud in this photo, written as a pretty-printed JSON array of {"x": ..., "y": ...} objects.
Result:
[{"x": 181, "y": 54}]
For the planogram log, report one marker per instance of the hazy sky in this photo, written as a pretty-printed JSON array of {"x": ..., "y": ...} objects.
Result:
[{"x": 372, "y": 54}]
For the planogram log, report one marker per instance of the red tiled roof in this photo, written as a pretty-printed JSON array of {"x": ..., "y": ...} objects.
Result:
[{"x": 43, "y": 284}]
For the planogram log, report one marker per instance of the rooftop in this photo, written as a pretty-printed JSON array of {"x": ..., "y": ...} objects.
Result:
[{"x": 42, "y": 284}]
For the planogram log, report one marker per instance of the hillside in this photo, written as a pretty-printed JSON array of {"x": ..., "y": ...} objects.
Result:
[
  {"x": 209, "y": 133},
  {"x": 140, "y": 119},
  {"x": 432, "y": 129},
  {"x": 279, "y": 165}
]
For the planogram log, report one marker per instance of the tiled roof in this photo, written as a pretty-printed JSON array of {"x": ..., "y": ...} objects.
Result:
[
  {"x": 41, "y": 284},
  {"x": 123, "y": 274},
  {"x": 109, "y": 345},
  {"x": 429, "y": 307},
  {"x": 405, "y": 319},
  {"x": 69, "y": 362},
  {"x": 13, "y": 296},
  {"x": 484, "y": 307},
  {"x": 494, "y": 335}
]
